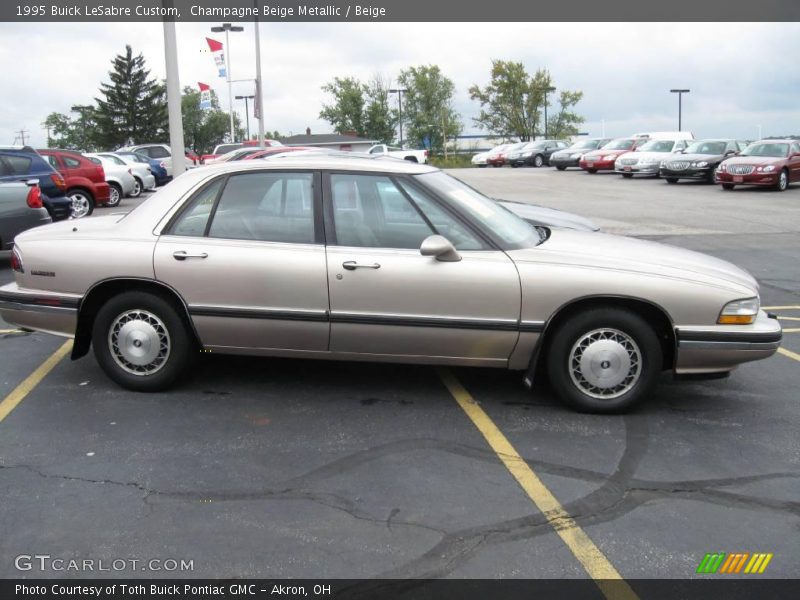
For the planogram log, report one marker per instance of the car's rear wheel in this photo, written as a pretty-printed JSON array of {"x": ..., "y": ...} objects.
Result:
[
  {"x": 671, "y": 179},
  {"x": 604, "y": 360},
  {"x": 783, "y": 181},
  {"x": 538, "y": 160},
  {"x": 138, "y": 186},
  {"x": 627, "y": 175},
  {"x": 728, "y": 186},
  {"x": 592, "y": 171},
  {"x": 141, "y": 342},
  {"x": 82, "y": 204},
  {"x": 561, "y": 168},
  {"x": 114, "y": 194}
]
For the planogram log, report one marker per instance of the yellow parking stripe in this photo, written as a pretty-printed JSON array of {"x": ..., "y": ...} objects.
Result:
[
  {"x": 781, "y": 307},
  {"x": 789, "y": 353},
  {"x": 590, "y": 556},
  {"x": 788, "y": 318},
  {"x": 763, "y": 566},
  {"x": 4, "y": 331},
  {"x": 18, "y": 394},
  {"x": 792, "y": 330}
]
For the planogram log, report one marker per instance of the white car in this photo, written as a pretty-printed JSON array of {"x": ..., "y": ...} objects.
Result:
[
  {"x": 479, "y": 160},
  {"x": 417, "y": 156},
  {"x": 145, "y": 180},
  {"x": 647, "y": 158},
  {"x": 119, "y": 177}
]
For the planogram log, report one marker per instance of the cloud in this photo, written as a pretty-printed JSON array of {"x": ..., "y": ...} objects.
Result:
[{"x": 741, "y": 75}]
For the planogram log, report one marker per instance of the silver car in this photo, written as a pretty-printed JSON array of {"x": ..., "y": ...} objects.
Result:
[
  {"x": 375, "y": 259},
  {"x": 142, "y": 176}
]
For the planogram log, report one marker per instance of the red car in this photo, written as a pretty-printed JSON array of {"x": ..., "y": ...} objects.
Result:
[
  {"x": 771, "y": 163},
  {"x": 223, "y": 149},
  {"x": 604, "y": 158},
  {"x": 85, "y": 180}
]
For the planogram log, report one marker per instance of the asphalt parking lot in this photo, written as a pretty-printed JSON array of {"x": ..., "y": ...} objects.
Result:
[{"x": 289, "y": 468}]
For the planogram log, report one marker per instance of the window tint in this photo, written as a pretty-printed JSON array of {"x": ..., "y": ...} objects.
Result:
[
  {"x": 194, "y": 219},
  {"x": 268, "y": 207},
  {"x": 156, "y": 152},
  {"x": 369, "y": 211},
  {"x": 70, "y": 162},
  {"x": 444, "y": 223},
  {"x": 19, "y": 165}
]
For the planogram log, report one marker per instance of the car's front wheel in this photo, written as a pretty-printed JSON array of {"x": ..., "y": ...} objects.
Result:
[
  {"x": 783, "y": 181},
  {"x": 538, "y": 160},
  {"x": 141, "y": 342},
  {"x": 728, "y": 186},
  {"x": 82, "y": 204},
  {"x": 672, "y": 179},
  {"x": 561, "y": 168},
  {"x": 604, "y": 360},
  {"x": 628, "y": 175}
]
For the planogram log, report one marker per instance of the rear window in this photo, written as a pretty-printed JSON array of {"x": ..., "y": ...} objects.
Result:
[{"x": 19, "y": 165}]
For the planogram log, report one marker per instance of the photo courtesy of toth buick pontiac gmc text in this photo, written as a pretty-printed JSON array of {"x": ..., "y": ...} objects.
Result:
[{"x": 376, "y": 259}]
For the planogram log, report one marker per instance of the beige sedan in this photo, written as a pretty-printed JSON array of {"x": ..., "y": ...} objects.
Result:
[{"x": 376, "y": 259}]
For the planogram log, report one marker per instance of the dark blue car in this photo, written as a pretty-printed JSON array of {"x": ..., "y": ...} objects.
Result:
[
  {"x": 22, "y": 164},
  {"x": 156, "y": 167}
]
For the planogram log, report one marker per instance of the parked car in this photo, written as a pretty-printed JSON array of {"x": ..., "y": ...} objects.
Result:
[
  {"x": 698, "y": 161},
  {"x": 269, "y": 152},
  {"x": 647, "y": 158},
  {"x": 223, "y": 149},
  {"x": 85, "y": 180},
  {"x": 500, "y": 158},
  {"x": 543, "y": 216},
  {"x": 241, "y": 153},
  {"x": 21, "y": 208},
  {"x": 571, "y": 156},
  {"x": 479, "y": 160},
  {"x": 536, "y": 154},
  {"x": 375, "y": 259},
  {"x": 159, "y": 152},
  {"x": 417, "y": 156},
  {"x": 604, "y": 158},
  {"x": 23, "y": 163},
  {"x": 119, "y": 177},
  {"x": 772, "y": 163},
  {"x": 143, "y": 177},
  {"x": 157, "y": 167}
]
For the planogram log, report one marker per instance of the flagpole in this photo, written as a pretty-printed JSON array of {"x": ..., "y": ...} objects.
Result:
[{"x": 228, "y": 73}]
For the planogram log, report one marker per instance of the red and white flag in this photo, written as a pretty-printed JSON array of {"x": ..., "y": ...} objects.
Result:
[
  {"x": 219, "y": 55},
  {"x": 205, "y": 95}
]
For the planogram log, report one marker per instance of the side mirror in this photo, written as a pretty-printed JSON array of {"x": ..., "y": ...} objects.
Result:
[{"x": 439, "y": 247}]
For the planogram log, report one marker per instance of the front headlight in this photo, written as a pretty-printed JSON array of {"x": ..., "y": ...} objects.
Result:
[
  {"x": 722, "y": 168},
  {"x": 526, "y": 154},
  {"x": 609, "y": 157},
  {"x": 577, "y": 155},
  {"x": 739, "y": 312},
  {"x": 767, "y": 169},
  {"x": 700, "y": 163}
]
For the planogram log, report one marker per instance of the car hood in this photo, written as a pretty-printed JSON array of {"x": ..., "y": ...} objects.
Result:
[
  {"x": 693, "y": 157},
  {"x": 653, "y": 156},
  {"x": 548, "y": 217},
  {"x": 754, "y": 160},
  {"x": 618, "y": 253},
  {"x": 601, "y": 152}
]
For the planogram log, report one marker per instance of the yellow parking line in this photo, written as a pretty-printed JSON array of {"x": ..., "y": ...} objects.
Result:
[
  {"x": 590, "y": 556},
  {"x": 792, "y": 330},
  {"x": 18, "y": 394},
  {"x": 789, "y": 353},
  {"x": 789, "y": 318},
  {"x": 4, "y": 331},
  {"x": 781, "y": 307}
]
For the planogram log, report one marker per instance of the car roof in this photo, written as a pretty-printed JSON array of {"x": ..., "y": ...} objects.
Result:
[{"x": 345, "y": 161}]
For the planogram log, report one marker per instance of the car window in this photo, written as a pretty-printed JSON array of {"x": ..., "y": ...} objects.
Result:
[
  {"x": 795, "y": 148},
  {"x": 156, "y": 152},
  {"x": 52, "y": 160},
  {"x": 376, "y": 150},
  {"x": 114, "y": 159},
  {"x": 266, "y": 207},
  {"x": 95, "y": 160},
  {"x": 192, "y": 221},
  {"x": 370, "y": 211},
  {"x": 444, "y": 223},
  {"x": 70, "y": 163},
  {"x": 19, "y": 165}
]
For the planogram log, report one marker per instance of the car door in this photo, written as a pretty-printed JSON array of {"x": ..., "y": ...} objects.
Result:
[
  {"x": 246, "y": 255},
  {"x": 386, "y": 299},
  {"x": 794, "y": 162}
]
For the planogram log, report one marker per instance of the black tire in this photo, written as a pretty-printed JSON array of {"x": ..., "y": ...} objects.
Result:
[
  {"x": 728, "y": 186},
  {"x": 671, "y": 179},
  {"x": 538, "y": 161},
  {"x": 592, "y": 171},
  {"x": 604, "y": 326},
  {"x": 783, "y": 181},
  {"x": 561, "y": 167},
  {"x": 138, "y": 188},
  {"x": 147, "y": 316},
  {"x": 82, "y": 203},
  {"x": 115, "y": 195},
  {"x": 628, "y": 175}
]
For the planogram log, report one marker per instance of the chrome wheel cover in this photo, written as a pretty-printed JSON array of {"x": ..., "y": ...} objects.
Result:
[
  {"x": 605, "y": 363},
  {"x": 113, "y": 196},
  {"x": 80, "y": 205},
  {"x": 783, "y": 181},
  {"x": 139, "y": 342},
  {"x": 137, "y": 189}
]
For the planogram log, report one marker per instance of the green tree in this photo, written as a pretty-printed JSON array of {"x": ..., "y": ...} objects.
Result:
[
  {"x": 74, "y": 133},
  {"x": 346, "y": 113},
  {"x": 513, "y": 101},
  {"x": 133, "y": 106},
  {"x": 428, "y": 110},
  {"x": 205, "y": 128},
  {"x": 379, "y": 120},
  {"x": 565, "y": 122}
]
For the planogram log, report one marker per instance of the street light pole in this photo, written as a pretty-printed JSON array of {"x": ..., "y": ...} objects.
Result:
[
  {"x": 246, "y": 112},
  {"x": 177, "y": 147},
  {"x": 227, "y": 28},
  {"x": 680, "y": 93},
  {"x": 399, "y": 92},
  {"x": 258, "y": 106},
  {"x": 547, "y": 90}
]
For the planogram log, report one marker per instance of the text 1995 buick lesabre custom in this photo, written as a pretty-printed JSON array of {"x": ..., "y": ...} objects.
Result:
[{"x": 378, "y": 259}]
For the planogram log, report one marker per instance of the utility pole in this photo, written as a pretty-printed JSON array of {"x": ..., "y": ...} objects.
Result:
[
  {"x": 399, "y": 92},
  {"x": 444, "y": 134},
  {"x": 21, "y": 135},
  {"x": 680, "y": 93},
  {"x": 246, "y": 112},
  {"x": 177, "y": 147}
]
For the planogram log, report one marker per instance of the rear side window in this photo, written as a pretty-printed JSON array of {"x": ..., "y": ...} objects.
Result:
[
  {"x": 70, "y": 162},
  {"x": 155, "y": 152},
  {"x": 19, "y": 165},
  {"x": 52, "y": 160}
]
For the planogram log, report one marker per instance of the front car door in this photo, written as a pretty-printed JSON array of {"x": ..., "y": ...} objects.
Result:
[
  {"x": 246, "y": 254},
  {"x": 794, "y": 162},
  {"x": 387, "y": 300}
]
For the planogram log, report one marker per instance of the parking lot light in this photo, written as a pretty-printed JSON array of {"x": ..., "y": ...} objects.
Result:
[{"x": 680, "y": 93}]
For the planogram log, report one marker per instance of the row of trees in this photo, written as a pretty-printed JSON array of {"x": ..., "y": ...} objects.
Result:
[{"x": 512, "y": 106}]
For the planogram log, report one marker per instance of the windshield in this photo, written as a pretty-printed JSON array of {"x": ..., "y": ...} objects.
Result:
[
  {"x": 113, "y": 159},
  {"x": 585, "y": 145},
  {"x": 774, "y": 150},
  {"x": 703, "y": 147},
  {"x": 535, "y": 145},
  {"x": 657, "y": 146},
  {"x": 225, "y": 148},
  {"x": 135, "y": 157},
  {"x": 619, "y": 145},
  {"x": 506, "y": 226}
]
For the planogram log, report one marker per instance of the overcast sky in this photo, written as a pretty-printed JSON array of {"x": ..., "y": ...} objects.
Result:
[{"x": 741, "y": 75}]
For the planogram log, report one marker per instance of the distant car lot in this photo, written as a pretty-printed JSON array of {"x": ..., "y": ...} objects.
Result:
[{"x": 304, "y": 468}]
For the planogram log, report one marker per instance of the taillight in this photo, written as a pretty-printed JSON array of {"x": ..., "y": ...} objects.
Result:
[
  {"x": 162, "y": 165},
  {"x": 58, "y": 180},
  {"x": 16, "y": 261},
  {"x": 34, "y": 198},
  {"x": 130, "y": 172},
  {"x": 101, "y": 173}
]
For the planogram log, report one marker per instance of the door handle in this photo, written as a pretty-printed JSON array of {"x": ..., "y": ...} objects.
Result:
[
  {"x": 352, "y": 265},
  {"x": 183, "y": 255}
]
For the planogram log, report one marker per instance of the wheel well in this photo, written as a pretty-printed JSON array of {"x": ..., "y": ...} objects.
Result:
[
  {"x": 653, "y": 314},
  {"x": 104, "y": 291},
  {"x": 411, "y": 159},
  {"x": 116, "y": 185},
  {"x": 80, "y": 188}
]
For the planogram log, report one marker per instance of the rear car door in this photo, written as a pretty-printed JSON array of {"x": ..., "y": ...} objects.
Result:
[
  {"x": 246, "y": 254},
  {"x": 386, "y": 299},
  {"x": 794, "y": 162}
]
